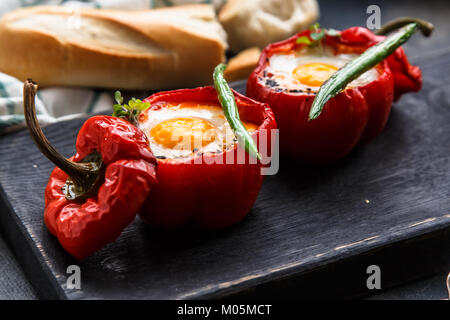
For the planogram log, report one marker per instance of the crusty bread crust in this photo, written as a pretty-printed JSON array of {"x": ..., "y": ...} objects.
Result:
[
  {"x": 148, "y": 49},
  {"x": 240, "y": 66}
]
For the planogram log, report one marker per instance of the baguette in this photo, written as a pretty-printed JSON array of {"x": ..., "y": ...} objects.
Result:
[{"x": 149, "y": 49}]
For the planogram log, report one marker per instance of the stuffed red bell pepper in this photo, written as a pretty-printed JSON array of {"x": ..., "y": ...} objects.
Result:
[
  {"x": 290, "y": 73},
  {"x": 203, "y": 178}
]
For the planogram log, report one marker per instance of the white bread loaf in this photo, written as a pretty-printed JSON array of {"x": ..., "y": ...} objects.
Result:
[
  {"x": 148, "y": 49},
  {"x": 256, "y": 23}
]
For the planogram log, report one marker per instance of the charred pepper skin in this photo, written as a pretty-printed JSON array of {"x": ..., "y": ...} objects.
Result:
[
  {"x": 83, "y": 228},
  {"x": 209, "y": 195},
  {"x": 354, "y": 116}
]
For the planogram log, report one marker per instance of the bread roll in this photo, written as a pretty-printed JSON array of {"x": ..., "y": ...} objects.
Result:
[
  {"x": 147, "y": 49},
  {"x": 240, "y": 66},
  {"x": 257, "y": 23}
]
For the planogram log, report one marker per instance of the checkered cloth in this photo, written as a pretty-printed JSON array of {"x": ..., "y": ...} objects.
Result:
[{"x": 57, "y": 104}]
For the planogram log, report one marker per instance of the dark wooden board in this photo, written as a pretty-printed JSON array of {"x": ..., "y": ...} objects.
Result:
[
  {"x": 311, "y": 232},
  {"x": 306, "y": 222}
]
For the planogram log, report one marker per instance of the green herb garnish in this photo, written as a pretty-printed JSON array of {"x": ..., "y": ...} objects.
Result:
[
  {"x": 316, "y": 35},
  {"x": 303, "y": 40},
  {"x": 129, "y": 111}
]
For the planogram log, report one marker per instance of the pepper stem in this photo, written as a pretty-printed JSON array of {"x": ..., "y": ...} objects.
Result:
[
  {"x": 425, "y": 27},
  {"x": 82, "y": 176}
]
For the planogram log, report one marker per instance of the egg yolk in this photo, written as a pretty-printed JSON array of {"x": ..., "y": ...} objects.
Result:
[
  {"x": 183, "y": 133},
  {"x": 250, "y": 126},
  {"x": 314, "y": 74}
]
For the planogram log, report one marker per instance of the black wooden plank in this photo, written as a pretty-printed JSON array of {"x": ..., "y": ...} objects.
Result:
[
  {"x": 429, "y": 288},
  {"x": 399, "y": 263},
  {"x": 13, "y": 284}
]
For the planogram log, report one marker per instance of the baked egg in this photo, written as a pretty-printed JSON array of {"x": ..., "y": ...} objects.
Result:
[
  {"x": 184, "y": 129},
  {"x": 307, "y": 69}
]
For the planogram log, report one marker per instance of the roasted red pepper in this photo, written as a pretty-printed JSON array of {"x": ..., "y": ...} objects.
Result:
[
  {"x": 355, "y": 115},
  {"x": 84, "y": 227},
  {"x": 203, "y": 188},
  {"x": 98, "y": 213}
]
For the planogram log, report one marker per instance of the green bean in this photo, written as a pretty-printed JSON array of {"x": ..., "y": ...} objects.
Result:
[
  {"x": 353, "y": 69},
  {"x": 228, "y": 103}
]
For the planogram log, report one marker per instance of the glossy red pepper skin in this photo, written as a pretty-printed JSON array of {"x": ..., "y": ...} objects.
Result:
[
  {"x": 83, "y": 228},
  {"x": 355, "y": 115},
  {"x": 209, "y": 195}
]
